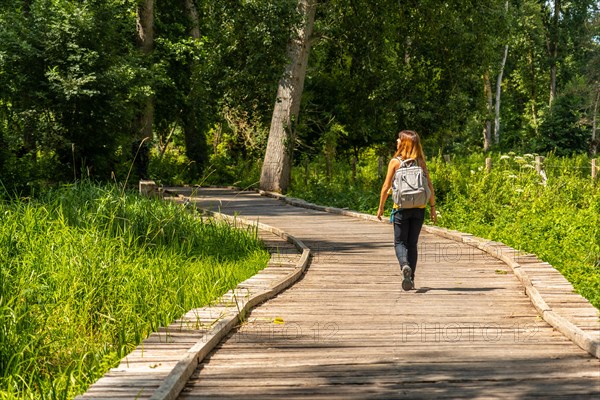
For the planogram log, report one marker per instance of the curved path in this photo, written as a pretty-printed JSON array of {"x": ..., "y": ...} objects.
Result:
[{"x": 349, "y": 331}]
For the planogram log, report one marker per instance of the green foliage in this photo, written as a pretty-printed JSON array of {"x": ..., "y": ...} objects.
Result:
[
  {"x": 73, "y": 84},
  {"x": 87, "y": 272},
  {"x": 341, "y": 188},
  {"x": 67, "y": 81},
  {"x": 170, "y": 168},
  {"x": 564, "y": 131},
  {"x": 559, "y": 221},
  {"x": 386, "y": 65}
]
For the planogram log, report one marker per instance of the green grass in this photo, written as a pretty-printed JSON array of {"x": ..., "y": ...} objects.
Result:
[
  {"x": 558, "y": 221},
  {"x": 87, "y": 272}
]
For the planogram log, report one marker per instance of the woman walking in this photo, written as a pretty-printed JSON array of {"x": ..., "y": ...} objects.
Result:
[{"x": 407, "y": 217}]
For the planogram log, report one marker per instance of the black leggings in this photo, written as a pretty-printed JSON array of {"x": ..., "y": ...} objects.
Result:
[{"x": 407, "y": 227}]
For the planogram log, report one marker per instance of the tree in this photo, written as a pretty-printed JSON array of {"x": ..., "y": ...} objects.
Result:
[
  {"x": 67, "y": 74},
  {"x": 144, "y": 119},
  {"x": 499, "y": 89},
  {"x": 594, "y": 141},
  {"x": 552, "y": 43},
  {"x": 487, "y": 129},
  {"x": 277, "y": 164},
  {"x": 195, "y": 141}
]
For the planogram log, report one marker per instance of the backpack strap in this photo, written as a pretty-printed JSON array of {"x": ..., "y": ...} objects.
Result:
[{"x": 403, "y": 162}]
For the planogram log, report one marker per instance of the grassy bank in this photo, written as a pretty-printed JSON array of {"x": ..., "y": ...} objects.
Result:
[
  {"x": 557, "y": 219},
  {"x": 87, "y": 272}
]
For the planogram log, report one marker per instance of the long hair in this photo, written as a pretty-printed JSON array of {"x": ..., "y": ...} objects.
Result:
[{"x": 410, "y": 146}]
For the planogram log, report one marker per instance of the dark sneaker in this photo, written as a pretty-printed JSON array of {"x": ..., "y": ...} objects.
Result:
[{"x": 407, "y": 283}]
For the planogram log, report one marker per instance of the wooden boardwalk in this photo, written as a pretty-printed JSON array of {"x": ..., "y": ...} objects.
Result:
[{"x": 347, "y": 330}]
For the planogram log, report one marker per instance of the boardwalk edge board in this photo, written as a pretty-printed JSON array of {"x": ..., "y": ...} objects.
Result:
[
  {"x": 497, "y": 250},
  {"x": 176, "y": 379}
]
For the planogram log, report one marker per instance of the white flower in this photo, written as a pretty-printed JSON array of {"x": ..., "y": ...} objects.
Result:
[{"x": 505, "y": 157}]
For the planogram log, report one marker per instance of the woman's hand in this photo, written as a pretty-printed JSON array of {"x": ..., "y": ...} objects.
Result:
[
  {"x": 379, "y": 213},
  {"x": 433, "y": 214}
]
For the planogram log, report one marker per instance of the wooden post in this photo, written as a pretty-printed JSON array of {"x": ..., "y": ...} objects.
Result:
[
  {"x": 594, "y": 170},
  {"x": 538, "y": 163},
  {"x": 148, "y": 189},
  {"x": 540, "y": 169},
  {"x": 380, "y": 167},
  {"x": 447, "y": 158},
  {"x": 354, "y": 161},
  {"x": 488, "y": 165}
]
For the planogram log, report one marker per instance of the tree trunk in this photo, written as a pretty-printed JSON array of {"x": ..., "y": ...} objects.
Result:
[
  {"x": 533, "y": 92},
  {"x": 499, "y": 88},
  {"x": 277, "y": 164},
  {"x": 552, "y": 44},
  {"x": 144, "y": 120},
  {"x": 192, "y": 13},
  {"x": 195, "y": 142},
  {"x": 594, "y": 147},
  {"x": 407, "y": 48},
  {"x": 145, "y": 26},
  {"x": 498, "y": 94},
  {"x": 487, "y": 130}
]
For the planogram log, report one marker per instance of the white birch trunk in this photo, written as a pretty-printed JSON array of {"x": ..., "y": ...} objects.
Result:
[
  {"x": 277, "y": 164},
  {"x": 487, "y": 129},
  {"x": 499, "y": 88},
  {"x": 498, "y": 94},
  {"x": 595, "y": 122}
]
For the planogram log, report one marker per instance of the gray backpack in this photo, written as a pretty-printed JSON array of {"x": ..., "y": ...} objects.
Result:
[{"x": 410, "y": 188}]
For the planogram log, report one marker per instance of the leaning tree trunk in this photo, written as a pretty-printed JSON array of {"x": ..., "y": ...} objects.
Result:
[
  {"x": 144, "y": 120},
  {"x": 487, "y": 129},
  {"x": 277, "y": 164}
]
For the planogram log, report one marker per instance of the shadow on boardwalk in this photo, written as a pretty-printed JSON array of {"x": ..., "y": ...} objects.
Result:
[{"x": 419, "y": 377}]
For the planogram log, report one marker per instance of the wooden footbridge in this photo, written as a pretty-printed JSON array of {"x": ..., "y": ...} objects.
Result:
[{"x": 484, "y": 321}]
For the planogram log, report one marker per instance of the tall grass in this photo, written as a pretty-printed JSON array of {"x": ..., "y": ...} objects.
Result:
[
  {"x": 87, "y": 272},
  {"x": 559, "y": 221}
]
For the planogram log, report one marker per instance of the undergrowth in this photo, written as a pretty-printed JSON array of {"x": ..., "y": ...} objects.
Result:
[{"x": 87, "y": 272}]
